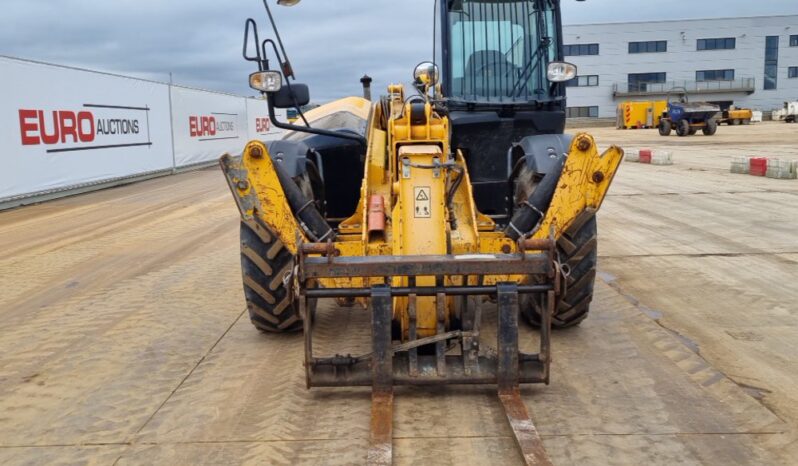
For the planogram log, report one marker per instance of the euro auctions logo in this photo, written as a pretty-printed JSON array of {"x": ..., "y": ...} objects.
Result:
[
  {"x": 213, "y": 127},
  {"x": 263, "y": 125},
  {"x": 92, "y": 127}
]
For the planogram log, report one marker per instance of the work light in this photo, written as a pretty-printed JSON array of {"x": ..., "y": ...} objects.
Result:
[
  {"x": 266, "y": 81},
  {"x": 560, "y": 71}
]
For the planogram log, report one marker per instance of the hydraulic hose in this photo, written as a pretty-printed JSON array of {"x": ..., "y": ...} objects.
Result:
[
  {"x": 304, "y": 209},
  {"x": 530, "y": 212}
]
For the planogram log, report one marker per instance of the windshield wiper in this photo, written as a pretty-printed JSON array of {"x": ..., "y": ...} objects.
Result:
[
  {"x": 536, "y": 59},
  {"x": 545, "y": 43}
]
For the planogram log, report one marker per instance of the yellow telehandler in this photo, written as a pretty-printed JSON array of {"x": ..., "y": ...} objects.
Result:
[{"x": 426, "y": 206}]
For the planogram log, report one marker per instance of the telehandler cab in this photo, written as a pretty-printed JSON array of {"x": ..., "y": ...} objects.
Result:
[{"x": 425, "y": 207}]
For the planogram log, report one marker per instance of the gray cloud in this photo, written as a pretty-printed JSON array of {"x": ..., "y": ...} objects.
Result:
[{"x": 331, "y": 43}]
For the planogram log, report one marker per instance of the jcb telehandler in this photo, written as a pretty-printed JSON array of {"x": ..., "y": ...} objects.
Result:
[{"x": 424, "y": 207}]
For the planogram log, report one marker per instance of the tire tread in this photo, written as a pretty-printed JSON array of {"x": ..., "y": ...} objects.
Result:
[
  {"x": 578, "y": 249},
  {"x": 264, "y": 263}
]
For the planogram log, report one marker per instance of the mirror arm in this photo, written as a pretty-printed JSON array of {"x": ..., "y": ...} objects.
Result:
[
  {"x": 266, "y": 55},
  {"x": 305, "y": 129},
  {"x": 259, "y": 58},
  {"x": 276, "y": 52},
  {"x": 287, "y": 81},
  {"x": 287, "y": 70}
]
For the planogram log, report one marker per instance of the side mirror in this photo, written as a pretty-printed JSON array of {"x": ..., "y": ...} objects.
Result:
[
  {"x": 289, "y": 97},
  {"x": 425, "y": 74}
]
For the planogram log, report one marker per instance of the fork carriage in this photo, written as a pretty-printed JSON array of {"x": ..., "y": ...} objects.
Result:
[{"x": 390, "y": 364}]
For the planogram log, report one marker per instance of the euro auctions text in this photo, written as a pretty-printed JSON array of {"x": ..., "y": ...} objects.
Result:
[{"x": 92, "y": 127}]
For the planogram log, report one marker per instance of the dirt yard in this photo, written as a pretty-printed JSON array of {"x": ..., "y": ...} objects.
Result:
[{"x": 125, "y": 340}]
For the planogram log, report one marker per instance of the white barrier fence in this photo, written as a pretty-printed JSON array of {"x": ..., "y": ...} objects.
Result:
[{"x": 63, "y": 129}]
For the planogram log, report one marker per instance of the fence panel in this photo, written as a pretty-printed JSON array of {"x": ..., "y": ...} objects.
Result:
[
  {"x": 206, "y": 125},
  {"x": 62, "y": 127}
]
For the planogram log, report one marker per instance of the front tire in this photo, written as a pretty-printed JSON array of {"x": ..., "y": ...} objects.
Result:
[
  {"x": 577, "y": 249},
  {"x": 265, "y": 262},
  {"x": 665, "y": 128}
]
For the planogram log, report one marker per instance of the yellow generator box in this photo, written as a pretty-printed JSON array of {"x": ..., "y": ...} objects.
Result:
[{"x": 637, "y": 115}]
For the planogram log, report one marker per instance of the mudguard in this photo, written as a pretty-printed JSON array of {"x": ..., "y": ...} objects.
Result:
[
  {"x": 290, "y": 156},
  {"x": 544, "y": 151}
]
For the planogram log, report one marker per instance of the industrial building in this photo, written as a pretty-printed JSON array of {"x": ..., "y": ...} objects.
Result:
[{"x": 747, "y": 62}]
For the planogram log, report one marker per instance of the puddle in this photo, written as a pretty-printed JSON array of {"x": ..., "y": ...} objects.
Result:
[
  {"x": 758, "y": 393},
  {"x": 606, "y": 277},
  {"x": 653, "y": 313},
  {"x": 690, "y": 344}
]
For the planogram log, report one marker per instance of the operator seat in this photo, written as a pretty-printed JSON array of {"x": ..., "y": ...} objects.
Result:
[{"x": 485, "y": 70}]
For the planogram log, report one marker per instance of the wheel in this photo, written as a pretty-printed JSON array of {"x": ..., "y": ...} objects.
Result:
[
  {"x": 577, "y": 249},
  {"x": 736, "y": 122},
  {"x": 692, "y": 131},
  {"x": 683, "y": 128},
  {"x": 711, "y": 128},
  {"x": 665, "y": 128},
  {"x": 265, "y": 262},
  {"x": 746, "y": 122}
]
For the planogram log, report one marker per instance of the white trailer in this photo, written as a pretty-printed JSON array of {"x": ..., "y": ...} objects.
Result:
[{"x": 790, "y": 112}]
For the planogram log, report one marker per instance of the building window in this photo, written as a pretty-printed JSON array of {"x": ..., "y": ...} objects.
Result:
[
  {"x": 714, "y": 75},
  {"x": 580, "y": 49},
  {"x": 771, "y": 62},
  {"x": 792, "y": 72},
  {"x": 638, "y": 82},
  {"x": 654, "y": 46},
  {"x": 583, "y": 81},
  {"x": 726, "y": 43},
  {"x": 794, "y": 41},
  {"x": 582, "y": 112}
]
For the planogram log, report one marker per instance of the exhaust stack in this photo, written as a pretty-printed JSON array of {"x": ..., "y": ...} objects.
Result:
[{"x": 366, "y": 82}]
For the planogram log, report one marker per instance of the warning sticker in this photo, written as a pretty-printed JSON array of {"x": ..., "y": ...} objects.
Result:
[{"x": 423, "y": 205}]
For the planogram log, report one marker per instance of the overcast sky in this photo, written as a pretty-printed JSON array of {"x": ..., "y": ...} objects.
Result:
[{"x": 331, "y": 43}]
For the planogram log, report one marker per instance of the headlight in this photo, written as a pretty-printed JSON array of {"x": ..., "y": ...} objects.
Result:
[
  {"x": 560, "y": 71},
  {"x": 266, "y": 81}
]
